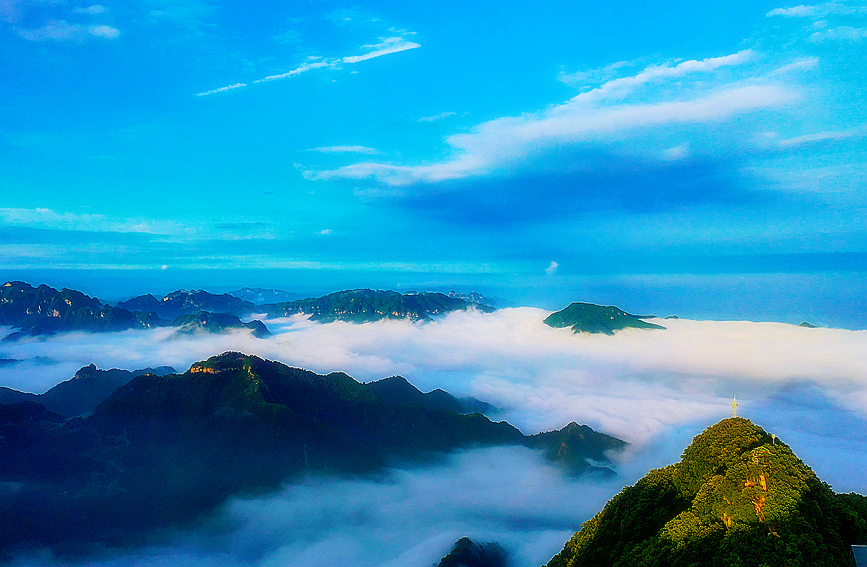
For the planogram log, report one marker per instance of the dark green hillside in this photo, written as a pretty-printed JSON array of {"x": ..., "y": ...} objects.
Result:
[
  {"x": 737, "y": 498},
  {"x": 590, "y": 318},
  {"x": 397, "y": 390},
  {"x": 573, "y": 445},
  {"x": 217, "y": 323},
  {"x": 188, "y": 302},
  {"x": 44, "y": 310},
  {"x": 163, "y": 449},
  {"x": 366, "y": 305}
]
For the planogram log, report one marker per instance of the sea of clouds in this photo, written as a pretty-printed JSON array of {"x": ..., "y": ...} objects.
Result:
[{"x": 655, "y": 389}]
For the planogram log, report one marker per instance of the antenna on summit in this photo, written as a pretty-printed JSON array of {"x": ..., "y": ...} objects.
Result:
[{"x": 734, "y": 407}]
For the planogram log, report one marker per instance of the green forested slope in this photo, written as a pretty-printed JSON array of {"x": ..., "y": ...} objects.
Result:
[{"x": 737, "y": 498}]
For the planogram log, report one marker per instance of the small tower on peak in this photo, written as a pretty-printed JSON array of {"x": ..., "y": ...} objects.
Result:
[{"x": 734, "y": 407}]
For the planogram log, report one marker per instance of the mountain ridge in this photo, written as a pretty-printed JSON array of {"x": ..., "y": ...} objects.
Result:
[
  {"x": 83, "y": 392},
  {"x": 162, "y": 449},
  {"x": 368, "y": 305}
]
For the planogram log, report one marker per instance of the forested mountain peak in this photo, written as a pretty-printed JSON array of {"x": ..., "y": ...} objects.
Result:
[{"x": 739, "y": 496}]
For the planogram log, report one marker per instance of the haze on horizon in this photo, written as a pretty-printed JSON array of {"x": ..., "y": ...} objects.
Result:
[{"x": 620, "y": 153}]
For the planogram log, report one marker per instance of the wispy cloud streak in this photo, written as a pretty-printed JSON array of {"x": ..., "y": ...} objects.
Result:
[
  {"x": 436, "y": 117},
  {"x": 818, "y": 10},
  {"x": 222, "y": 89},
  {"x": 386, "y": 47},
  {"x": 344, "y": 150}
]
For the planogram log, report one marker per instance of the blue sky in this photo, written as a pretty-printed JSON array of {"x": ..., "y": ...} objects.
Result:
[{"x": 541, "y": 154}]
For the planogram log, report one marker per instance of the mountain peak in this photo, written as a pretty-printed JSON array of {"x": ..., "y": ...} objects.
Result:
[
  {"x": 591, "y": 318},
  {"x": 737, "y": 497},
  {"x": 227, "y": 361}
]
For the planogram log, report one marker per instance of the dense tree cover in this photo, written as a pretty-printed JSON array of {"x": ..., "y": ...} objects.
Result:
[
  {"x": 573, "y": 445},
  {"x": 737, "y": 498},
  {"x": 366, "y": 305},
  {"x": 590, "y": 318},
  {"x": 162, "y": 449}
]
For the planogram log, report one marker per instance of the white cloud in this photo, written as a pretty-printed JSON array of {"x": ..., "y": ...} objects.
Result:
[
  {"x": 634, "y": 384},
  {"x": 580, "y": 78},
  {"x": 818, "y": 137},
  {"x": 656, "y": 388},
  {"x": 90, "y": 10},
  {"x": 387, "y": 46},
  {"x": 625, "y": 85},
  {"x": 505, "y": 141},
  {"x": 300, "y": 69},
  {"x": 552, "y": 269},
  {"x": 222, "y": 89},
  {"x": 818, "y": 10},
  {"x": 605, "y": 115},
  {"x": 107, "y": 32},
  {"x": 410, "y": 517},
  {"x": 436, "y": 117},
  {"x": 61, "y": 30},
  {"x": 841, "y": 33},
  {"x": 344, "y": 149}
]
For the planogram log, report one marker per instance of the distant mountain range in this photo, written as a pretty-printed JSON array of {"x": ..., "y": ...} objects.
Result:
[
  {"x": 44, "y": 310},
  {"x": 590, "y": 318},
  {"x": 162, "y": 449},
  {"x": 188, "y": 302},
  {"x": 83, "y": 392},
  {"x": 367, "y": 305},
  {"x": 739, "y": 496}
]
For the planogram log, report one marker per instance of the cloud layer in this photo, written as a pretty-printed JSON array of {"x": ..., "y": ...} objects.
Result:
[
  {"x": 408, "y": 518},
  {"x": 654, "y": 388},
  {"x": 634, "y": 385}
]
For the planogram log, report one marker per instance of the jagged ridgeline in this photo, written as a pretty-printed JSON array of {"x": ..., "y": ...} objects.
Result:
[
  {"x": 44, "y": 310},
  {"x": 738, "y": 498},
  {"x": 366, "y": 305}
]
